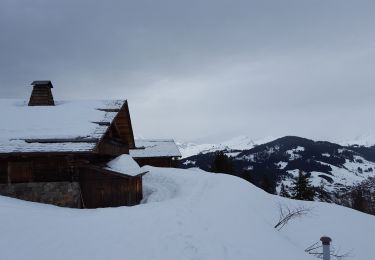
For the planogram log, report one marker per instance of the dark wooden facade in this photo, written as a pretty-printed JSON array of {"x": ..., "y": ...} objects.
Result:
[
  {"x": 38, "y": 168},
  {"x": 119, "y": 137},
  {"x": 99, "y": 187},
  {"x": 104, "y": 188},
  {"x": 156, "y": 161},
  {"x": 123, "y": 126}
]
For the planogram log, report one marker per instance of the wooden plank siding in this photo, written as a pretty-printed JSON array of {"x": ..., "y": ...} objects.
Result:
[
  {"x": 112, "y": 147},
  {"x": 101, "y": 189},
  {"x": 3, "y": 172},
  {"x": 118, "y": 138},
  {"x": 123, "y": 125},
  {"x": 38, "y": 169},
  {"x": 20, "y": 171},
  {"x": 156, "y": 161}
]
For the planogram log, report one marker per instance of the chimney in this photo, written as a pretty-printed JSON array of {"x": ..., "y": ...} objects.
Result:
[{"x": 41, "y": 94}]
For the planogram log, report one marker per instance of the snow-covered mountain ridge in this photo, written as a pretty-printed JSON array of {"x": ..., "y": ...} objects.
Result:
[
  {"x": 239, "y": 143},
  {"x": 333, "y": 167},
  {"x": 362, "y": 140},
  {"x": 185, "y": 215}
]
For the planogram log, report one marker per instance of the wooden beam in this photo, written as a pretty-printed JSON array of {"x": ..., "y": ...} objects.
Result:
[
  {"x": 109, "y": 109},
  {"x": 63, "y": 140},
  {"x": 102, "y": 123}
]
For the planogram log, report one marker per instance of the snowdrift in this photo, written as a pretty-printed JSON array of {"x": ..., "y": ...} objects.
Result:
[{"x": 186, "y": 214}]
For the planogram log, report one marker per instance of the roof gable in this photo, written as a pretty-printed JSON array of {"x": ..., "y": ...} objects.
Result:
[{"x": 123, "y": 125}]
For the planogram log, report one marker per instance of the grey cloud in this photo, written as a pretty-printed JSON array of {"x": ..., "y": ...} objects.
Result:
[{"x": 202, "y": 69}]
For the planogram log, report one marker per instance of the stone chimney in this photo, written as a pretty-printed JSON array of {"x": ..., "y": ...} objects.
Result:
[{"x": 41, "y": 94}]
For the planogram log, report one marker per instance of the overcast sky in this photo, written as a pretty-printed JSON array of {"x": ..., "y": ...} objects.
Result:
[{"x": 202, "y": 71}]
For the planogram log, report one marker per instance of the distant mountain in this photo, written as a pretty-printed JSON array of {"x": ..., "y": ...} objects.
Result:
[
  {"x": 238, "y": 143},
  {"x": 363, "y": 140},
  {"x": 333, "y": 169}
]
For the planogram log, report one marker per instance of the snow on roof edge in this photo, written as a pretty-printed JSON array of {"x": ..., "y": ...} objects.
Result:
[
  {"x": 159, "y": 148},
  {"x": 125, "y": 164}
]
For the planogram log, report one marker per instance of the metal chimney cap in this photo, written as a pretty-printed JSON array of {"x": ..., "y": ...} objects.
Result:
[{"x": 326, "y": 240}]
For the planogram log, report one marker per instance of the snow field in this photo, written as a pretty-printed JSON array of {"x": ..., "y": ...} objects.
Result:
[{"x": 186, "y": 214}]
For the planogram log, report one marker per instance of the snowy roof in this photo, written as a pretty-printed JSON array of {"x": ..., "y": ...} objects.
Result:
[
  {"x": 69, "y": 126},
  {"x": 125, "y": 164},
  {"x": 155, "y": 148}
]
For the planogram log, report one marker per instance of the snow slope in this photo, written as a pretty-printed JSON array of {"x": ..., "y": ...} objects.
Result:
[
  {"x": 239, "y": 143},
  {"x": 187, "y": 214}
]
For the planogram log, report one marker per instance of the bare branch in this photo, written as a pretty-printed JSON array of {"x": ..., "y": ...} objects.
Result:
[
  {"x": 313, "y": 247},
  {"x": 316, "y": 250},
  {"x": 286, "y": 214},
  {"x": 336, "y": 253}
]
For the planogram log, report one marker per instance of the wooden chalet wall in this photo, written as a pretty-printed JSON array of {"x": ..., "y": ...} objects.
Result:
[
  {"x": 156, "y": 161},
  {"x": 98, "y": 187},
  {"x": 51, "y": 179},
  {"x": 3, "y": 171},
  {"x": 102, "y": 188},
  {"x": 112, "y": 147},
  {"x": 52, "y": 168},
  {"x": 119, "y": 137},
  {"x": 112, "y": 143},
  {"x": 123, "y": 125}
]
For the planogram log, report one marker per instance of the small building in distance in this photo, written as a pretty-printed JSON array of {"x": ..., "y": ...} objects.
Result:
[
  {"x": 61, "y": 152},
  {"x": 155, "y": 152}
]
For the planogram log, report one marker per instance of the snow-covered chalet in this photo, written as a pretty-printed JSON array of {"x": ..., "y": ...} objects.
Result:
[{"x": 79, "y": 154}]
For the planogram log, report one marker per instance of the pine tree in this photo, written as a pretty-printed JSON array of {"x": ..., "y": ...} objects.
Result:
[
  {"x": 267, "y": 185},
  {"x": 322, "y": 193},
  {"x": 358, "y": 201},
  {"x": 247, "y": 175},
  {"x": 301, "y": 188},
  {"x": 222, "y": 164}
]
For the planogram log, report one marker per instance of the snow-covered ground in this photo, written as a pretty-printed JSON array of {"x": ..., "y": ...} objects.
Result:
[
  {"x": 238, "y": 143},
  {"x": 186, "y": 214}
]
